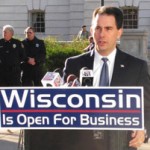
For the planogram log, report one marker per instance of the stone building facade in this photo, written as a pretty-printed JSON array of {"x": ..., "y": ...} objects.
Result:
[{"x": 64, "y": 18}]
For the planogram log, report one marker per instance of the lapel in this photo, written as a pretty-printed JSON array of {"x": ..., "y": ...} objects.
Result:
[
  {"x": 119, "y": 68},
  {"x": 89, "y": 60}
]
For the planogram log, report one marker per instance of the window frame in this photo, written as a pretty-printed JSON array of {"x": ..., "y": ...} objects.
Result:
[
  {"x": 33, "y": 16},
  {"x": 130, "y": 19}
]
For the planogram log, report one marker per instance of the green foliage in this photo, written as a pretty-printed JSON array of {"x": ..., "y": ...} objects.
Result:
[{"x": 57, "y": 52}]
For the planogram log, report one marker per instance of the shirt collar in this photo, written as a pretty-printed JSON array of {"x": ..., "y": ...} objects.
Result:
[{"x": 111, "y": 56}]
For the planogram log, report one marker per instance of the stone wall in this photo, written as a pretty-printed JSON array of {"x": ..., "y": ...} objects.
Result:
[{"x": 135, "y": 42}]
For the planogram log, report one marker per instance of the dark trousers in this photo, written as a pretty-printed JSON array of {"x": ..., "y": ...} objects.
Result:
[
  {"x": 10, "y": 76},
  {"x": 32, "y": 75}
]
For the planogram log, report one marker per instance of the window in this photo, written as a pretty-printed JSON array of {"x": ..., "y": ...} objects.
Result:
[
  {"x": 130, "y": 17},
  {"x": 38, "y": 21}
]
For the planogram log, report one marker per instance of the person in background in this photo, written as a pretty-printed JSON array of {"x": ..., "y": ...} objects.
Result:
[
  {"x": 36, "y": 55},
  {"x": 121, "y": 69},
  {"x": 83, "y": 33},
  {"x": 32, "y": 71},
  {"x": 91, "y": 44},
  {"x": 12, "y": 54}
]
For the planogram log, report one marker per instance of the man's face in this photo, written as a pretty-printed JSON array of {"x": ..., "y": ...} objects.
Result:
[
  {"x": 84, "y": 29},
  {"x": 7, "y": 34},
  {"x": 105, "y": 33},
  {"x": 30, "y": 34}
]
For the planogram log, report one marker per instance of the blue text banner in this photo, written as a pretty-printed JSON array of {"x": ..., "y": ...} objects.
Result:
[{"x": 108, "y": 108}]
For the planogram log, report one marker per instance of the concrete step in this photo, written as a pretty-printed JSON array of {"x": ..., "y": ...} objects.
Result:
[{"x": 9, "y": 139}]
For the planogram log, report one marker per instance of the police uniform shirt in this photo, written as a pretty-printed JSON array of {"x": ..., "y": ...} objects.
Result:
[
  {"x": 11, "y": 52},
  {"x": 35, "y": 49}
]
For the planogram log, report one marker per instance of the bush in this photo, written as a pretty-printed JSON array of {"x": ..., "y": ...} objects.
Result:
[{"x": 57, "y": 52}]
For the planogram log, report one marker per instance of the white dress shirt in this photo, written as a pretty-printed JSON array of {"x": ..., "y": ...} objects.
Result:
[{"x": 98, "y": 63}]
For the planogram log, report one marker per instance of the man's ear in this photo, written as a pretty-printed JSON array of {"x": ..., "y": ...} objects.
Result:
[
  {"x": 120, "y": 33},
  {"x": 91, "y": 30}
]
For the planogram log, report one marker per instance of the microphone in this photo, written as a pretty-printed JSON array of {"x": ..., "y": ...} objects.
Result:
[
  {"x": 59, "y": 70},
  {"x": 70, "y": 80},
  {"x": 52, "y": 79},
  {"x": 86, "y": 77},
  {"x": 76, "y": 83}
]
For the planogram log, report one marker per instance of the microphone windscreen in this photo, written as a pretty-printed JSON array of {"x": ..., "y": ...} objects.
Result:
[
  {"x": 51, "y": 79},
  {"x": 76, "y": 83},
  {"x": 71, "y": 78},
  {"x": 86, "y": 77}
]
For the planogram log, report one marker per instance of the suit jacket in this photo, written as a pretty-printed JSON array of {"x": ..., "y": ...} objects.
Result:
[
  {"x": 134, "y": 73},
  {"x": 128, "y": 71}
]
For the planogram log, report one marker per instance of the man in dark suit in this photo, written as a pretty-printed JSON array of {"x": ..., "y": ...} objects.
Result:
[{"x": 123, "y": 70}]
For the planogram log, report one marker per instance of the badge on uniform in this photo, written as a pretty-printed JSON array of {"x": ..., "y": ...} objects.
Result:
[
  {"x": 37, "y": 45},
  {"x": 14, "y": 45}
]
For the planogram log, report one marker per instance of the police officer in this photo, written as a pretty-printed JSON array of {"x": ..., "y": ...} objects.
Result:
[
  {"x": 11, "y": 56},
  {"x": 36, "y": 53}
]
